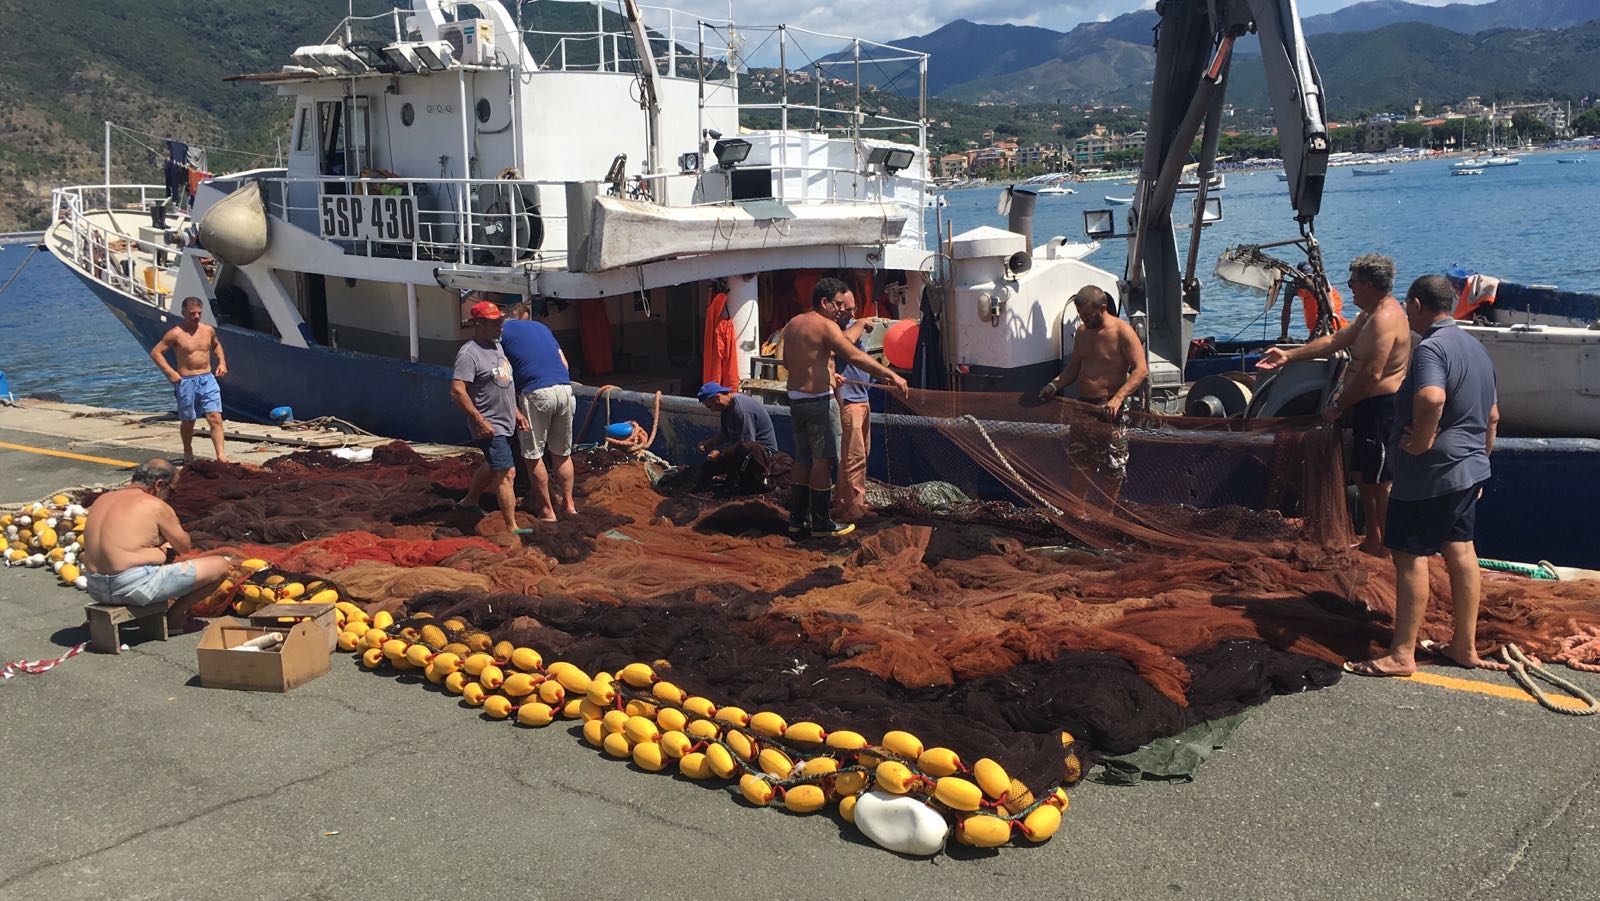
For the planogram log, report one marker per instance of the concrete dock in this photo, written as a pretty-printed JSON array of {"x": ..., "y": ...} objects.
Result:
[{"x": 128, "y": 780}]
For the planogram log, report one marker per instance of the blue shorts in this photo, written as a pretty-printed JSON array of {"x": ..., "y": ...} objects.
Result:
[
  {"x": 198, "y": 395},
  {"x": 497, "y": 451},
  {"x": 144, "y": 585}
]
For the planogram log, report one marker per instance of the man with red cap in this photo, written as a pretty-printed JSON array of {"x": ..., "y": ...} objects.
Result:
[{"x": 481, "y": 386}]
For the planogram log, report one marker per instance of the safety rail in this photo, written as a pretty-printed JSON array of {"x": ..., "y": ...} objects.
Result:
[{"x": 111, "y": 255}]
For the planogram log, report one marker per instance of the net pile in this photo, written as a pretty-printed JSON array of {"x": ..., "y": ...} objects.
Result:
[{"x": 945, "y": 612}]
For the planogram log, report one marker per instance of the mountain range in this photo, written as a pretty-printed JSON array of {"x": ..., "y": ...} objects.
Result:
[{"x": 1112, "y": 60}]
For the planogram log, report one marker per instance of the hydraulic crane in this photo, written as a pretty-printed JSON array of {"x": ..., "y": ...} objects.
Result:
[{"x": 1194, "y": 53}]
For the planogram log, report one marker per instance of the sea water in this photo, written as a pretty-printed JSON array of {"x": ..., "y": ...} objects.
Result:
[{"x": 1535, "y": 223}]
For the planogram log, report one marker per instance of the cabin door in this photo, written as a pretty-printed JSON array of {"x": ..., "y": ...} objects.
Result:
[{"x": 304, "y": 166}]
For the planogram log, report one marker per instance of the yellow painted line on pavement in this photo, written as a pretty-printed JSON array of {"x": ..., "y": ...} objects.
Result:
[
  {"x": 66, "y": 454},
  {"x": 1510, "y": 692}
]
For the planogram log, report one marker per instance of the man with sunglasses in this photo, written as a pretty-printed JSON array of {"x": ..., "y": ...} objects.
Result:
[{"x": 1379, "y": 342}]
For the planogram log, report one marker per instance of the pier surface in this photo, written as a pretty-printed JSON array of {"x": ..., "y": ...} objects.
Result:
[{"x": 128, "y": 780}]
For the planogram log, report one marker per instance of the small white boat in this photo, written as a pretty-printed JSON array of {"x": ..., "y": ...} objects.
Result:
[
  {"x": 1456, "y": 170},
  {"x": 1055, "y": 190},
  {"x": 1118, "y": 201},
  {"x": 1474, "y": 163},
  {"x": 1501, "y": 161},
  {"x": 1283, "y": 176},
  {"x": 1371, "y": 172},
  {"x": 1576, "y": 159}
]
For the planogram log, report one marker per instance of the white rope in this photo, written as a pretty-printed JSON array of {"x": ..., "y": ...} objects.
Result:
[{"x": 1054, "y": 510}]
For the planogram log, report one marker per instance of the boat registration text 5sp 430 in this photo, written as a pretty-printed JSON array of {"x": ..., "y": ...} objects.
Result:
[{"x": 358, "y": 217}]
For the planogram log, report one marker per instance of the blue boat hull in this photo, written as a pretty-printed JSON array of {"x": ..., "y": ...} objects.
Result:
[{"x": 1535, "y": 508}]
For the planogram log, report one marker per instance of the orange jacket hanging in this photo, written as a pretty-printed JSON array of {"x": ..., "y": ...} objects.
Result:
[{"x": 721, "y": 356}]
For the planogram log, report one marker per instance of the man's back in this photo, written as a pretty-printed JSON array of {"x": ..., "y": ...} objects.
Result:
[
  {"x": 1449, "y": 358},
  {"x": 535, "y": 355},
  {"x": 121, "y": 532},
  {"x": 747, "y": 420}
]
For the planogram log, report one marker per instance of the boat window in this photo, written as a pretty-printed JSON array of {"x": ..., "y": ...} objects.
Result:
[
  {"x": 302, "y": 134},
  {"x": 330, "y": 113}
]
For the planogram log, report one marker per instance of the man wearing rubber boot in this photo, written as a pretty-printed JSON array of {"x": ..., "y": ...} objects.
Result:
[{"x": 810, "y": 341}]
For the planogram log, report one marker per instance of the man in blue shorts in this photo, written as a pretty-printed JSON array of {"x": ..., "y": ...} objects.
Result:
[
  {"x": 481, "y": 385},
  {"x": 192, "y": 343},
  {"x": 129, "y": 537},
  {"x": 1443, "y": 434}
]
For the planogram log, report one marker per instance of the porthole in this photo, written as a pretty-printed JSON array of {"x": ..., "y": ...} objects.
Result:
[
  {"x": 408, "y": 114},
  {"x": 483, "y": 109}
]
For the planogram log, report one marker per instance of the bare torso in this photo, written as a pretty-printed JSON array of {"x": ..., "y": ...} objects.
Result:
[
  {"x": 1106, "y": 355},
  {"x": 122, "y": 531},
  {"x": 1385, "y": 335},
  {"x": 806, "y": 354},
  {"x": 192, "y": 350}
]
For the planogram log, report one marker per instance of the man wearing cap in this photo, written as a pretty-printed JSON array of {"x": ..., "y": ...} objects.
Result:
[
  {"x": 481, "y": 386},
  {"x": 544, "y": 397},
  {"x": 811, "y": 342},
  {"x": 745, "y": 446}
]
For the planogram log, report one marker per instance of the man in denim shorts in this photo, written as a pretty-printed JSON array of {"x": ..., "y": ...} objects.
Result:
[
  {"x": 811, "y": 341},
  {"x": 481, "y": 388},
  {"x": 194, "y": 382},
  {"x": 129, "y": 537}
]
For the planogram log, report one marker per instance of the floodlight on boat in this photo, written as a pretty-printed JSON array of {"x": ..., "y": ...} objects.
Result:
[
  {"x": 1212, "y": 212},
  {"x": 891, "y": 159},
  {"x": 1098, "y": 224},
  {"x": 436, "y": 55},
  {"x": 731, "y": 152},
  {"x": 371, "y": 54},
  {"x": 689, "y": 163},
  {"x": 311, "y": 57},
  {"x": 403, "y": 57}
]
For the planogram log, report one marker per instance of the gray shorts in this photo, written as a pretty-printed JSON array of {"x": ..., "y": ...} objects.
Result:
[
  {"x": 143, "y": 586},
  {"x": 549, "y": 413},
  {"x": 815, "y": 422}
]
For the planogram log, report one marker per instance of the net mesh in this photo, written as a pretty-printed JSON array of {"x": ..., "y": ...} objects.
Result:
[{"x": 1030, "y": 590}]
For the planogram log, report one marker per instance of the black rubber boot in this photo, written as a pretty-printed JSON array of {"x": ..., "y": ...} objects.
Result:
[
  {"x": 822, "y": 524},
  {"x": 799, "y": 522}
]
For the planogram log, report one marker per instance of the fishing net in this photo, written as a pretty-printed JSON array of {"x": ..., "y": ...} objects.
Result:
[{"x": 1017, "y": 591}]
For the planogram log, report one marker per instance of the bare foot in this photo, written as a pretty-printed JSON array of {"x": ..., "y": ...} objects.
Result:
[
  {"x": 1467, "y": 660},
  {"x": 222, "y": 459},
  {"x": 548, "y": 517},
  {"x": 1383, "y": 666},
  {"x": 1374, "y": 550},
  {"x": 571, "y": 510}
]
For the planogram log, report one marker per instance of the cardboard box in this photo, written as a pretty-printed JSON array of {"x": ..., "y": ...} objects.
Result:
[
  {"x": 281, "y": 616},
  {"x": 301, "y": 657}
]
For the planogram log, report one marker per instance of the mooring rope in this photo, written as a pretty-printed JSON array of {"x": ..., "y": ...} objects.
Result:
[{"x": 1524, "y": 671}]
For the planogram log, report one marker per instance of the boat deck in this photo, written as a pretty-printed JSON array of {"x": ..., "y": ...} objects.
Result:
[{"x": 121, "y": 249}]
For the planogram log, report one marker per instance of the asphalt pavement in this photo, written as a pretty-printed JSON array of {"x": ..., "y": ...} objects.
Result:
[{"x": 126, "y": 779}]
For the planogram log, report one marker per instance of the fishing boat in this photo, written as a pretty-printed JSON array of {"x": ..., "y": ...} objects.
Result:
[
  {"x": 1466, "y": 171},
  {"x": 1371, "y": 172}
]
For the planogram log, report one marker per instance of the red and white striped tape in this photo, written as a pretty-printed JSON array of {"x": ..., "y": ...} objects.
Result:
[{"x": 38, "y": 666}]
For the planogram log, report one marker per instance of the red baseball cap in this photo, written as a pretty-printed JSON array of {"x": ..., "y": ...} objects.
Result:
[{"x": 486, "y": 310}]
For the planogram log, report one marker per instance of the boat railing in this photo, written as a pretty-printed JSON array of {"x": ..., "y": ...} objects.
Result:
[
  {"x": 509, "y": 222},
  {"x": 121, "y": 255}
]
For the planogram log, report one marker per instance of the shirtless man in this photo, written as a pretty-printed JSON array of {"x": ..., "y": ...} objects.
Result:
[
  {"x": 1107, "y": 365},
  {"x": 810, "y": 342},
  {"x": 192, "y": 342},
  {"x": 128, "y": 538},
  {"x": 1379, "y": 342}
]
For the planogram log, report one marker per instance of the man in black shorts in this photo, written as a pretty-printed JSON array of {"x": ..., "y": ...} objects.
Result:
[
  {"x": 1379, "y": 342},
  {"x": 1444, "y": 431}
]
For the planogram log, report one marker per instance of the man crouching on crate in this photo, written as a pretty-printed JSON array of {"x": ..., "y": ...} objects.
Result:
[{"x": 129, "y": 539}]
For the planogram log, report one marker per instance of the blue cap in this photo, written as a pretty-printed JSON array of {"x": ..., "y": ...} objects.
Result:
[{"x": 712, "y": 389}]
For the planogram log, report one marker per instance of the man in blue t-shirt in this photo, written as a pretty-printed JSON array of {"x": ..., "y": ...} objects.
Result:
[
  {"x": 745, "y": 447},
  {"x": 1444, "y": 431},
  {"x": 544, "y": 396}
]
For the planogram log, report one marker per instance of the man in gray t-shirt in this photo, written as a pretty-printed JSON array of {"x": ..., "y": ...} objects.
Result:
[
  {"x": 1443, "y": 434},
  {"x": 481, "y": 387}
]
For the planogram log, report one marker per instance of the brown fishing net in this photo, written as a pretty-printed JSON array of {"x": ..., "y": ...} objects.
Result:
[{"x": 1023, "y": 594}]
